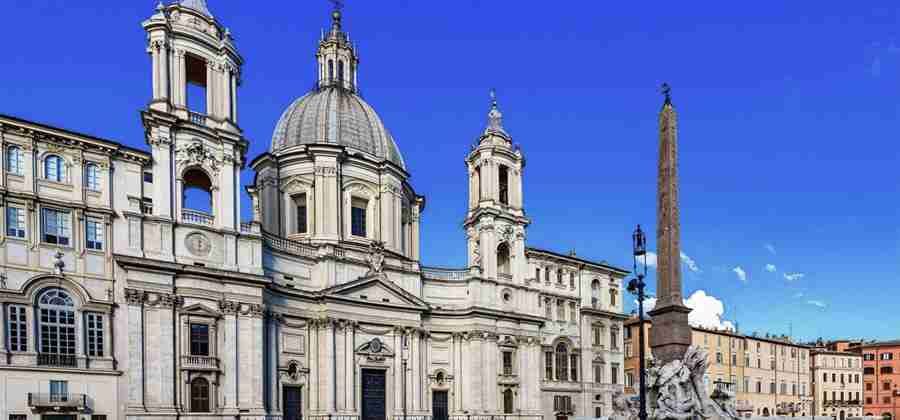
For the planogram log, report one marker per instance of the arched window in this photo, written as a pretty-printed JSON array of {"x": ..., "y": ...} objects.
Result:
[
  {"x": 341, "y": 70},
  {"x": 559, "y": 275},
  {"x": 55, "y": 168},
  {"x": 57, "y": 328},
  {"x": 197, "y": 193},
  {"x": 14, "y": 160},
  {"x": 595, "y": 293},
  {"x": 503, "y": 259},
  {"x": 508, "y": 401},
  {"x": 330, "y": 70},
  {"x": 92, "y": 177},
  {"x": 612, "y": 297},
  {"x": 562, "y": 362},
  {"x": 199, "y": 395}
]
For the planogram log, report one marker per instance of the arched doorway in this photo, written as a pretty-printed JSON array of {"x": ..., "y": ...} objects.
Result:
[
  {"x": 508, "y": 401},
  {"x": 886, "y": 416},
  {"x": 766, "y": 412},
  {"x": 841, "y": 415}
]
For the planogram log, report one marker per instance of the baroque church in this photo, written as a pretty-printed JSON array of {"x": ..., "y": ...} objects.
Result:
[{"x": 131, "y": 288}]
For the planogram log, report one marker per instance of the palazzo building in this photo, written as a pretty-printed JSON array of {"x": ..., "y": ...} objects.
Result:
[
  {"x": 132, "y": 289},
  {"x": 881, "y": 380},
  {"x": 837, "y": 381},
  {"x": 770, "y": 376}
]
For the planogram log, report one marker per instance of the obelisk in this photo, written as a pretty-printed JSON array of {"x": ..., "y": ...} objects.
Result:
[{"x": 671, "y": 334}]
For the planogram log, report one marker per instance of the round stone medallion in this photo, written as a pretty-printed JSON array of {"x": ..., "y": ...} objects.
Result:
[{"x": 198, "y": 244}]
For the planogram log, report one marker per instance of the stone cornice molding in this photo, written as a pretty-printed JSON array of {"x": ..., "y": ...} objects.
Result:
[{"x": 151, "y": 299}]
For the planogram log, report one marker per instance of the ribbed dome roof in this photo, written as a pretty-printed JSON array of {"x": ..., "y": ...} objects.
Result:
[{"x": 333, "y": 115}]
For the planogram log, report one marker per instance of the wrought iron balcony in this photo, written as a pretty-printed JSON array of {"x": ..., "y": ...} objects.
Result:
[
  {"x": 57, "y": 402},
  {"x": 197, "y": 217},
  {"x": 200, "y": 362},
  {"x": 57, "y": 360}
]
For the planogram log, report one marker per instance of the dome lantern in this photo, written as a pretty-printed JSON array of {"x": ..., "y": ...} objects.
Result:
[{"x": 336, "y": 56}]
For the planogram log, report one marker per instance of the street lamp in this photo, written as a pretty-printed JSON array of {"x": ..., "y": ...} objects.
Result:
[{"x": 636, "y": 287}]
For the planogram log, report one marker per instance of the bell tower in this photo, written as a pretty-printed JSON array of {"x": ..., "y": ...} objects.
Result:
[
  {"x": 191, "y": 126},
  {"x": 495, "y": 222}
]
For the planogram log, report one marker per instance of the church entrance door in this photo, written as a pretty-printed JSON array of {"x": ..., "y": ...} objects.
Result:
[
  {"x": 373, "y": 392},
  {"x": 293, "y": 407},
  {"x": 439, "y": 409}
]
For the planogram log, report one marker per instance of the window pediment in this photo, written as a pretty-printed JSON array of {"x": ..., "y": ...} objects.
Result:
[{"x": 198, "y": 309}]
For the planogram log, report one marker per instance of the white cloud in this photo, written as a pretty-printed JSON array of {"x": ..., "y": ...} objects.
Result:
[
  {"x": 793, "y": 276},
  {"x": 651, "y": 259},
  {"x": 771, "y": 249},
  {"x": 706, "y": 311},
  {"x": 741, "y": 274},
  {"x": 817, "y": 303},
  {"x": 771, "y": 268},
  {"x": 690, "y": 263}
]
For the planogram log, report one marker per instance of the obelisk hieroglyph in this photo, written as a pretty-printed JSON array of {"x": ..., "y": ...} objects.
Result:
[{"x": 671, "y": 334}]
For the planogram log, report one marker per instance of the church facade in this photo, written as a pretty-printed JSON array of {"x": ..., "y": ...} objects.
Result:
[{"x": 131, "y": 289}]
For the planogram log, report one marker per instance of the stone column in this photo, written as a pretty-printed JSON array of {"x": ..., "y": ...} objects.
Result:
[
  {"x": 229, "y": 356},
  {"x": 135, "y": 299},
  {"x": 211, "y": 98}
]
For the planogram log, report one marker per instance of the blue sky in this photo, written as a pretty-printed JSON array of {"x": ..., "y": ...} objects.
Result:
[{"x": 788, "y": 134}]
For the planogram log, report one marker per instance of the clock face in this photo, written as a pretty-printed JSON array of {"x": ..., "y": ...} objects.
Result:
[{"x": 198, "y": 244}]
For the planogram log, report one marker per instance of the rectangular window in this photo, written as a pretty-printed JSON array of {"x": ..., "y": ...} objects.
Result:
[
  {"x": 15, "y": 222},
  {"x": 734, "y": 359},
  {"x": 148, "y": 177},
  {"x": 17, "y": 328},
  {"x": 92, "y": 177},
  {"x": 560, "y": 311},
  {"x": 574, "y": 367},
  {"x": 572, "y": 280},
  {"x": 598, "y": 373},
  {"x": 300, "y": 200},
  {"x": 614, "y": 374},
  {"x": 572, "y": 313},
  {"x": 199, "y": 340},
  {"x": 507, "y": 363},
  {"x": 358, "y": 217},
  {"x": 14, "y": 161},
  {"x": 613, "y": 339},
  {"x": 886, "y": 386},
  {"x": 548, "y": 366},
  {"x": 93, "y": 235},
  {"x": 59, "y": 391},
  {"x": 94, "y": 335},
  {"x": 718, "y": 357},
  {"x": 537, "y": 274},
  {"x": 548, "y": 309},
  {"x": 56, "y": 225},
  {"x": 887, "y": 356}
]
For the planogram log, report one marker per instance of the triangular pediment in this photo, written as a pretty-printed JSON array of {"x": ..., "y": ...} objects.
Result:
[
  {"x": 198, "y": 309},
  {"x": 376, "y": 290}
]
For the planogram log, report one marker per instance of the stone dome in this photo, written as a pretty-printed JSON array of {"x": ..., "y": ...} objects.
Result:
[{"x": 335, "y": 115}]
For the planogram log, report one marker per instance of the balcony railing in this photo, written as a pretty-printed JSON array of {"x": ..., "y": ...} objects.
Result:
[
  {"x": 332, "y": 417},
  {"x": 289, "y": 246},
  {"x": 197, "y": 118},
  {"x": 246, "y": 227},
  {"x": 57, "y": 402},
  {"x": 450, "y": 274},
  {"x": 505, "y": 276},
  {"x": 200, "y": 362},
  {"x": 197, "y": 217},
  {"x": 341, "y": 83},
  {"x": 57, "y": 360},
  {"x": 492, "y": 417}
]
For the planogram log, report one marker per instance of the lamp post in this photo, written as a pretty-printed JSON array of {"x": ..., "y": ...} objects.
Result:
[{"x": 636, "y": 287}]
